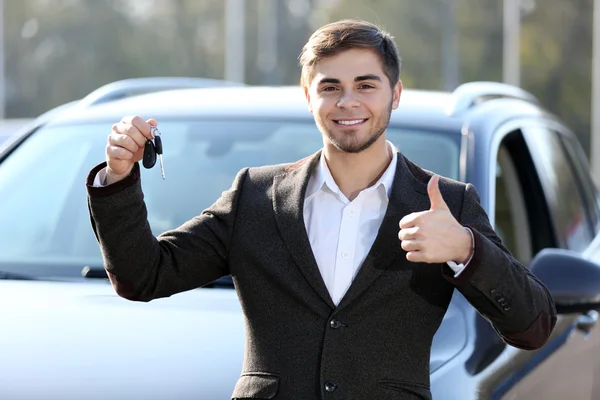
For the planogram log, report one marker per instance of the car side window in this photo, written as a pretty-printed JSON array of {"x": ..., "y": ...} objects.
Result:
[
  {"x": 510, "y": 212},
  {"x": 561, "y": 188},
  {"x": 590, "y": 191}
]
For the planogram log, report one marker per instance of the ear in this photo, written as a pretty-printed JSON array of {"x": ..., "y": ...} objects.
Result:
[
  {"x": 307, "y": 95},
  {"x": 396, "y": 93}
]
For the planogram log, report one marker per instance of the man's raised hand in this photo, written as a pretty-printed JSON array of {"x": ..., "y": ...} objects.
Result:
[
  {"x": 125, "y": 146},
  {"x": 434, "y": 235}
]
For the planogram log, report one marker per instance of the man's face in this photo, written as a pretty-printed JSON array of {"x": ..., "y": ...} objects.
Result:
[{"x": 351, "y": 99}]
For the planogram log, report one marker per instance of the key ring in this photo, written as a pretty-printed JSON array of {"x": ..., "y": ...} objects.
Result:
[{"x": 154, "y": 131}]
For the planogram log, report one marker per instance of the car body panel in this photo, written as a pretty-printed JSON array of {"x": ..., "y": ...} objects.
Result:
[{"x": 74, "y": 340}]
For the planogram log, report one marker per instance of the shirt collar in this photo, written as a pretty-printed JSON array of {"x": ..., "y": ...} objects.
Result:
[{"x": 322, "y": 179}]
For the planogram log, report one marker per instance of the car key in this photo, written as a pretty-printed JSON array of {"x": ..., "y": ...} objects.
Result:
[
  {"x": 159, "y": 152},
  {"x": 149, "y": 154},
  {"x": 152, "y": 148}
]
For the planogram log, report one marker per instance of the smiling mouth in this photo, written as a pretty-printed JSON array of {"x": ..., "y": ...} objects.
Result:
[{"x": 350, "y": 122}]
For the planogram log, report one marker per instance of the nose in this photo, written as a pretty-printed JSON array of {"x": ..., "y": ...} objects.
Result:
[{"x": 348, "y": 100}]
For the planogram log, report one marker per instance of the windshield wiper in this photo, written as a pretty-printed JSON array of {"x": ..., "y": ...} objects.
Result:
[
  {"x": 94, "y": 272},
  {"x": 15, "y": 276},
  {"x": 224, "y": 282},
  {"x": 100, "y": 273}
]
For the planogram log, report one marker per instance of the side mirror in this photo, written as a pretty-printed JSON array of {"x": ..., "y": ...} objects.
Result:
[{"x": 573, "y": 281}]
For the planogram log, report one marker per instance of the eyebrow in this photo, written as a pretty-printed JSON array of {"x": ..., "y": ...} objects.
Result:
[
  {"x": 360, "y": 78},
  {"x": 368, "y": 77}
]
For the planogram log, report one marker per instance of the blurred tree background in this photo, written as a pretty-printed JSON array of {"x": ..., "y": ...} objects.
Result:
[{"x": 60, "y": 50}]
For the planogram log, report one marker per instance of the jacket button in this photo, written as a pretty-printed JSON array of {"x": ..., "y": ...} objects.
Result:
[
  {"x": 334, "y": 323},
  {"x": 330, "y": 386}
]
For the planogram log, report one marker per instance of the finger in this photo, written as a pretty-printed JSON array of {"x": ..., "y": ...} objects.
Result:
[
  {"x": 118, "y": 152},
  {"x": 152, "y": 122},
  {"x": 415, "y": 256},
  {"x": 435, "y": 196},
  {"x": 411, "y": 245},
  {"x": 409, "y": 233},
  {"x": 125, "y": 141},
  {"x": 410, "y": 220},
  {"x": 131, "y": 131},
  {"x": 142, "y": 126}
]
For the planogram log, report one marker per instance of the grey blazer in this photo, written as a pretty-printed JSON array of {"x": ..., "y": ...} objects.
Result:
[{"x": 376, "y": 343}]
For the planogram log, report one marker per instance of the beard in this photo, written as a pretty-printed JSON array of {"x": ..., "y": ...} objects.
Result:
[{"x": 350, "y": 143}]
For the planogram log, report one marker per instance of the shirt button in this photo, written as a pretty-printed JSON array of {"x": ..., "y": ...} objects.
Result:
[
  {"x": 330, "y": 386},
  {"x": 345, "y": 255},
  {"x": 352, "y": 213}
]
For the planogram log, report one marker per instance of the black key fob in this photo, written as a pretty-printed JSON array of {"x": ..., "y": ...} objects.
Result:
[
  {"x": 158, "y": 144},
  {"x": 149, "y": 155}
]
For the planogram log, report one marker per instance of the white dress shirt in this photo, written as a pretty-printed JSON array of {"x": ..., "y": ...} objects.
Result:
[
  {"x": 341, "y": 232},
  {"x": 100, "y": 178}
]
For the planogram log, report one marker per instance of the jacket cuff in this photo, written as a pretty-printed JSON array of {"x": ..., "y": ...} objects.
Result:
[
  {"x": 474, "y": 263},
  {"x": 535, "y": 336},
  {"x": 102, "y": 191}
]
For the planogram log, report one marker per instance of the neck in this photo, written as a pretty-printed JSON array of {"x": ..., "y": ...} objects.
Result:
[{"x": 354, "y": 172}]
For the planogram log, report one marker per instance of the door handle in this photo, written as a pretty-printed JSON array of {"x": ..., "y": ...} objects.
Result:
[{"x": 586, "y": 322}]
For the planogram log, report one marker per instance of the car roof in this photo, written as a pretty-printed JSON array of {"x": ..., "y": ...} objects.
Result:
[{"x": 417, "y": 107}]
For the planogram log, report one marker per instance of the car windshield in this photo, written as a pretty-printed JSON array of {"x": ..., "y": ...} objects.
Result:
[{"x": 44, "y": 221}]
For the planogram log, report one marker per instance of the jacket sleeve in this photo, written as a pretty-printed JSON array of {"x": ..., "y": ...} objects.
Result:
[
  {"x": 142, "y": 267},
  {"x": 512, "y": 299}
]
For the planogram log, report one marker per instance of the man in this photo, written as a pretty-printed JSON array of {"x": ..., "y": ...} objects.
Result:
[{"x": 344, "y": 262}]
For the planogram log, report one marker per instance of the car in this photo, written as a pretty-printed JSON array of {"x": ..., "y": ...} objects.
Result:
[
  {"x": 67, "y": 334},
  {"x": 10, "y": 126}
]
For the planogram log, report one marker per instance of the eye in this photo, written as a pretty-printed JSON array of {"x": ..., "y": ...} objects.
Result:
[
  {"x": 328, "y": 89},
  {"x": 367, "y": 86}
]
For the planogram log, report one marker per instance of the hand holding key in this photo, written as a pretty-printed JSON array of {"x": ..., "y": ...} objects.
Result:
[{"x": 126, "y": 146}]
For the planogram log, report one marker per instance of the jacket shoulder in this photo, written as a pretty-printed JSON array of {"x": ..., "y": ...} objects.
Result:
[
  {"x": 452, "y": 190},
  {"x": 267, "y": 173}
]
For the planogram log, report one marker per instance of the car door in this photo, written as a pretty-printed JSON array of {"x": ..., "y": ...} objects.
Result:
[
  {"x": 541, "y": 202},
  {"x": 591, "y": 194}
]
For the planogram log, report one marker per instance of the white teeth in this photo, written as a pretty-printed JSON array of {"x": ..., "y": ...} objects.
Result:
[{"x": 356, "y": 121}]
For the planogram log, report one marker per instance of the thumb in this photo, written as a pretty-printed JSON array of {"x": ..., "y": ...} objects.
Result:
[
  {"x": 435, "y": 196},
  {"x": 152, "y": 122}
]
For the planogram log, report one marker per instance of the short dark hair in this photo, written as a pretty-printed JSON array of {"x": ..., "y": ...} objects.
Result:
[{"x": 347, "y": 34}]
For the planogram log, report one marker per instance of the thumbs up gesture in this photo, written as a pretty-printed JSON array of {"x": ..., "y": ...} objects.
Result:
[{"x": 434, "y": 236}]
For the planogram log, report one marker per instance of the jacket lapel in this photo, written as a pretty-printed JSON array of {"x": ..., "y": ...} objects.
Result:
[
  {"x": 408, "y": 195},
  {"x": 288, "y": 202}
]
